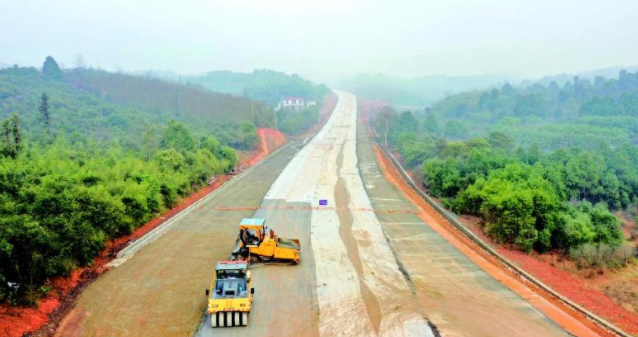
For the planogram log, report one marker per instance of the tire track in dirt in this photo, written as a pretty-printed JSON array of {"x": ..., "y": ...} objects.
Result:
[
  {"x": 400, "y": 314},
  {"x": 373, "y": 308}
]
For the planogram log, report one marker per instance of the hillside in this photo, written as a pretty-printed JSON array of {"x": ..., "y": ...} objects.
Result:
[
  {"x": 561, "y": 79},
  {"x": 263, "y": 85},
  {"x": 200, "y": 109},
  {"x": 105, "y": 106},
  {"x": 87, "y": 156},
  {"x": 579, "y": 113}
]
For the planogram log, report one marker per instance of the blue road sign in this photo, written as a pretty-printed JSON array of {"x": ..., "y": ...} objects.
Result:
[{"x": 323, "y": 202}]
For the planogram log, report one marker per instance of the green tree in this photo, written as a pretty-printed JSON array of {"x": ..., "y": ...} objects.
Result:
[
  {"x": 508, "y": 90},
  {"x": 50, "y": 69},
  {"x": 385, "y": 121},
  {"x": 601, "y": 106},
  {"x": 149, "y": 141},
  {"x": 455, "y": 129},
  {"x": 15, "y": 128},
  {"x": 11, "y": 137},
  {"x": 176, "y": 136},
  {"x": 499, "y": 140},
  {"x": 431, "y": 124},
  {"x": 530, "y": 105},
  {"x": 249, "y": 134},
  {"x": 45, "y": 114},
  {"x": 407, "y": 123}
]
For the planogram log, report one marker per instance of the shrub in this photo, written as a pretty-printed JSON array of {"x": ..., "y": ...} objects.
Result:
[{"x": 602, "y": 255}]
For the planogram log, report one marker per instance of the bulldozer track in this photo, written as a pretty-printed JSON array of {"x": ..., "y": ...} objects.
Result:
[
  {"x": 270, "y": 263},
  {"x": 253, "y": 261},
  {"x": 320, "y": 208}
]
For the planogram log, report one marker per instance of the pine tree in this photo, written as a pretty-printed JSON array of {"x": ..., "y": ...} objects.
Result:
[
  {"x": 44, "y": 111},
  {"x": 51, "y": 69},
  {"x": 6, "y": 134},
  {"x": 17, "y": 137}
]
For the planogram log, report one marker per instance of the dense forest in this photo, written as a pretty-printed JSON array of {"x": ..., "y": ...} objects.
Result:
[
  {"x": 579, "y": 113},
  {"x": 104, "y": 106},
  {"x": 262, "y": 85},
  {"x": 542, "y": 165},
  {"x": 294, "y": 122},
  {"x": 203, "y": 111},
  {"x": 87, "y": 155}
]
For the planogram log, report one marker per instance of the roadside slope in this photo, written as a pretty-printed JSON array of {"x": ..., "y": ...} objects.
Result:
[{"x": 455, "y": 291}]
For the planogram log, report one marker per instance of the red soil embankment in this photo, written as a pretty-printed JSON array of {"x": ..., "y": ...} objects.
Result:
[
  {"x": 575, "y": 288},
  {"x": 270, "y": 140},
  {"x": 18, "y": 321},
  {"x": 574, "y": 322}
]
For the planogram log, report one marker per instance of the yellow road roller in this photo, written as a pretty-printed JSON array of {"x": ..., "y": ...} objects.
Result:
[{"x": 230, "y": 295}]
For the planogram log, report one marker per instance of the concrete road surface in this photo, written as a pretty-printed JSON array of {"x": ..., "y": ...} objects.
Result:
[
  {"x": 351, "y": 257},
  {"x": 361, "y": 274}
]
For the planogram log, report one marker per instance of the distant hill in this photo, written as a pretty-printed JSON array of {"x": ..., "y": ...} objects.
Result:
[
  {"x": 4, "y": 65},
  {"x": 580, "y": 113},
  {"x": 165, "y": 75},
  {"x": 421, "y": 91},
  {"x": 99, "y": 105},
  {"x": 263, "y": 85},
  {"x": 172, "y": 99},
  {"x": 561, "y": 79}
]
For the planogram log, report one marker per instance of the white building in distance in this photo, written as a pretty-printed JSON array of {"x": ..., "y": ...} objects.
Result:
[{"x": 294, "y": 103}]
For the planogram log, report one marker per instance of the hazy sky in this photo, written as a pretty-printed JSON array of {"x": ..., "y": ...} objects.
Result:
[{"x": 325, "y": 39}]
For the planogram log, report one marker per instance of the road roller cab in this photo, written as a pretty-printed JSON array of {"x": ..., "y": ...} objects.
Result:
[{"x": 230, "y": 295}]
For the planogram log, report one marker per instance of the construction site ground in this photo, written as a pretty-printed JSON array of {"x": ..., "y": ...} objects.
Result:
[{"x": 385, "y": 272}]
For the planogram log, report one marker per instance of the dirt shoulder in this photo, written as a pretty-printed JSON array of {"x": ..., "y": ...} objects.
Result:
[
  {"x": 563, "y": 315},
  {"x": 610, "y": 294},
  {"x": 593, "y": 291}
]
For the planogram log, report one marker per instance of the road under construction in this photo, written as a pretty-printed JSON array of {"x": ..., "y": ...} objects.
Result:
[{"x": 371, "y": 262}]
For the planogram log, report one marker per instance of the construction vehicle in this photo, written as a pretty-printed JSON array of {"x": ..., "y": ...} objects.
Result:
[
  {"x": 230, "y": 295},
  {"x": 254, "y": 245}
]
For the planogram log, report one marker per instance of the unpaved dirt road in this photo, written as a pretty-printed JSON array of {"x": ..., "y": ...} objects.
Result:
[
  {"x": 362, "y": 273},
  {"x": 159, "y": 291}
]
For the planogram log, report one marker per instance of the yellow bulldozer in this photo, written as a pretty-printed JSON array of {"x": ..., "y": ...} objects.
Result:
[
  {"x": 230, "y": 295},
  {"x": 255, "y": 245}
]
